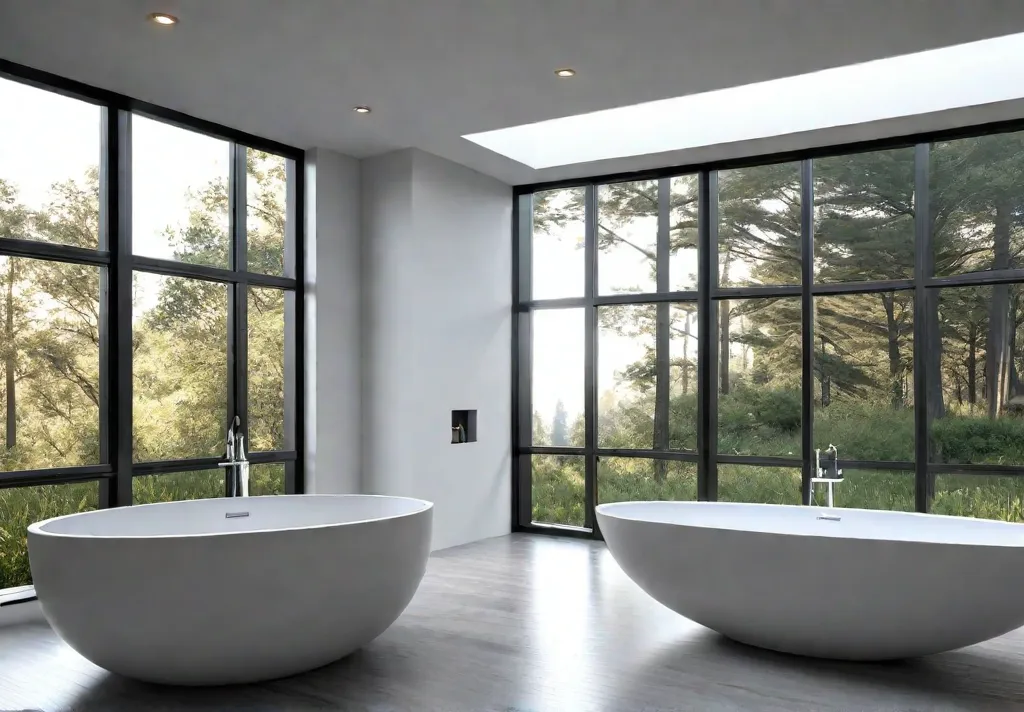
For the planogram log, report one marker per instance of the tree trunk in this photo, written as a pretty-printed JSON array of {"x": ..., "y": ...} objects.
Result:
[
  {"x": 997, "y": 346},
  {"x": 661, "y": 392},
  {"x": 933, "y": 336},
  {"x": 723, "y": 346},
  {"x": 895, "y": 367},
  {"x": 1013, "y": 385},
  {"x": 972, "y": 365},
  {"x": 686, "y": 353},
  {"x": 723, "y": 332},
  {"x": 11, "y": 436}
]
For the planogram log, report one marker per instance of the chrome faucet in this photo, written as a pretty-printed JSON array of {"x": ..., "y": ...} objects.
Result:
[
  {"x": 239, "y": 474},
  {"x": 826, "y": 472}
]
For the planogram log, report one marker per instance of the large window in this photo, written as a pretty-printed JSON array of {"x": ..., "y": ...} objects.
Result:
[
  {"x": 731, "y": 323},
  {"x": 149, "y": 295}
]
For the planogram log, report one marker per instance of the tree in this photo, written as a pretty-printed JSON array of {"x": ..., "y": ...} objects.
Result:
[
  {"x": 560, "y": 426},
  {"x": 13, "y": 224},
  {"x": 51, "y": 325},
  {"x": 977, "y": 219},
  {"x": 758, "y": 239},
  {"x": 540, "y": 431}
]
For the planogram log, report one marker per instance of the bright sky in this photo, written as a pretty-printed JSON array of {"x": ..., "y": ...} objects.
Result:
[
  {"x": 50, "y": 138},
  {"x": 969, "y": 74}
]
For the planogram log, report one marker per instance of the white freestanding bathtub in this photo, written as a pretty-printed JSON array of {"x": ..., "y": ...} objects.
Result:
[
  {"x": 223, "y": 591},
  {"x": 832, "y": 583}
]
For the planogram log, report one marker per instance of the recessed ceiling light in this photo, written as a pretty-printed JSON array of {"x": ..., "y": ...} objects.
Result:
[
  {"x": 361, "y": 109},
  {"x": 565, "y": 72},
  {"x": 162, "y": 18}
]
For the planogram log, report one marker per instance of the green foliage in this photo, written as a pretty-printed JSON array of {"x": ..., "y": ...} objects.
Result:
[
  {"x": 777, "y": 411},
  {"x": 966, "y": 439},
  {"x": 558, "y": 489},
  {"x": 20, "y": 507},
  {"x": 974, "y": 496},
  {"x": 631, "y": 479},
  {"x": 869, "y": 431},
  {"x": 767, "y": 485}
]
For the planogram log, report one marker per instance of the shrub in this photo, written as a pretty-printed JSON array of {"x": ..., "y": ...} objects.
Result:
[{"x": 978, "y": 439}]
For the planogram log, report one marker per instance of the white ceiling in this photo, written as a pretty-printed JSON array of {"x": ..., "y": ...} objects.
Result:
[{"x": 434, "y": 70}]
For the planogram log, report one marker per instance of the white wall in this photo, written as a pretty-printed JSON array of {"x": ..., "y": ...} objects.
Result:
[
  {"x": 437, "y": 337},
  {"x": 332, "y": 361}
]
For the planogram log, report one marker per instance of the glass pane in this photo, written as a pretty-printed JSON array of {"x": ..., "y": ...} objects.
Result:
[
  {"x": 759, "y": 406},
  {"x": 864, "y": 375},
  {"x": 626, "y": 377},
  {"x": 683, "y": 376},
  {"x": 975, "y": 399},
  {"x": 558, "y": 237},
  {"x": 870, "y": 489},
  {"x": 982, "y": 496},
  {"x": 180, "y": 373},
  {"x": 759, "y": 225},
  {"x": 49, "y": 364},
  {"x": 558, "y": 489},
  {"x": 682, "y": 234},
  {"x": 633, "y": 479},
  {"x": 864, "y": 216},
  {"x": 179, "y": 194},
  {"x": 627, "y": 237},
  {"x": 49, "y": 167},
  {"x": 977, "y": 195},
  {"x": 177, "y": 486},
  {"x": 266, "y": 479},
  {"x": 759, "y": 485},
  {"x": 266, "y": 369},
  {"x": 22, "y": 506},
  {"x": 267, "y": 193},
  {"x": 558, "y": 377}
]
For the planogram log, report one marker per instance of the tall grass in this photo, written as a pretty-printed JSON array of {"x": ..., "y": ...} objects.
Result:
[
  {"x": 558, "y": 494},
  {"x": 767, "y": 422}
]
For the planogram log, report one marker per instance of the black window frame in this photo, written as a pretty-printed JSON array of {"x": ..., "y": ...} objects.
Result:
[
  {"x": 923, "y": 286},
  {"x": 114, "y": 256}
]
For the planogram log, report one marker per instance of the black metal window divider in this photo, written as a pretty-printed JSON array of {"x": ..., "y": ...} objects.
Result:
[
  {"x": 924, "y": 284},
  {"x": 117, "y": 263}
]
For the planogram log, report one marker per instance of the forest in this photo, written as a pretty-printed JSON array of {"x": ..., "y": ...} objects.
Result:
[
  {"x": 49, "y": 354},
  {"x": 864, "y": 227}
]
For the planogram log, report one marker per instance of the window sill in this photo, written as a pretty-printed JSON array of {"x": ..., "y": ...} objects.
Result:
[{"x": 16, "y": 595}]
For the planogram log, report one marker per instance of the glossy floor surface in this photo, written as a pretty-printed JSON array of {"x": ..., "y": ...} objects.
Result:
[{"x": 528, "y": 623}]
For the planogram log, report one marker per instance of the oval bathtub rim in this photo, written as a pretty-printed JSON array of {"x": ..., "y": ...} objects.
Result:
[
  {"x": 36, "y": 528},
  {"x": 607, "y": 508}
]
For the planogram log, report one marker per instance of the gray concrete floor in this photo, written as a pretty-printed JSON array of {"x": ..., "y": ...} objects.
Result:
[{"x": 528, "y": 623}]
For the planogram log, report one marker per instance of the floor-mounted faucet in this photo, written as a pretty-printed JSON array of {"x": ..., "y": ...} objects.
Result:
[
  {"x": 238, "y": 484},
  {"x": 826, "y": 472}
]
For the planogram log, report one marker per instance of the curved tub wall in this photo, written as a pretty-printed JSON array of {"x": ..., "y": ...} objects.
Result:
[
  {"x": 229, "y": 599},
  {"x": 791, "y": 582}
]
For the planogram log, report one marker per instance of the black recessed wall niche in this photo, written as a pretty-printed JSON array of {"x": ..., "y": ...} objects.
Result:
[{"x": 463, "y": 426}]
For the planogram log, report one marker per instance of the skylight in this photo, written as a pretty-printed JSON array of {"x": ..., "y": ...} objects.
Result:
[{"x": 968, "y": 74}]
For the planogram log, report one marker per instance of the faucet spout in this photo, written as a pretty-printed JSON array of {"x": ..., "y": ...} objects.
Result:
[{"x": 238, "y": 484}]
